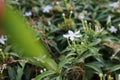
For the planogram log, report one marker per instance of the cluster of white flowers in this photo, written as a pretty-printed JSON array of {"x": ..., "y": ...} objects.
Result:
[
  {"x": 27, "y": 14},
  {"x": 47, "y": 8},
  {"x": 43, "y": 70},
  {"x": 112, "y": 29},
  {"x": 4, "y": 66},
  {"x": 72, "y": 35},
  {"x": 114, "y": 5},
  {"x": 2, "y": 39}
]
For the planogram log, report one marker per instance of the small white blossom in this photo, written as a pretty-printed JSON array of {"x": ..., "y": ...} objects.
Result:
[
  {"x": 57, "y": 2},
  {"x": 101, "y": 75},
  {"x": 27, "y": 14},
  {"x": 47, "y": 8},
  {"x": 114, "y": 5},
  {"x": 71, "y": 12},
  {"x": 44, "y": 69},
  {"x": 2, "y": 40},
  {"x": 72, "y": 35},
  {"x": 63, "y": 14},
  {"x": 41, "y": 71},
  {"x": 112, "y": 29}
]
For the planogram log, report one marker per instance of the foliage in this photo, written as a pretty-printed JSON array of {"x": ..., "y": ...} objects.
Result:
[{"x": 82, "y": 36}]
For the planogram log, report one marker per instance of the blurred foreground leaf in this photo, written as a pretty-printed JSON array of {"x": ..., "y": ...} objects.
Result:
[{"x": 21, "y": 35}]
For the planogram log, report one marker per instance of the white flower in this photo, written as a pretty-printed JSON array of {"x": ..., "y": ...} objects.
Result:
[
  {"x": 112, "y": 29},
  {"x": 63, "y": 14},
  {"x": 57, "y": 2},
  {"x": 47, "y": 8},
  {"x": 28, "y": 14},
  {"x": 72, "y": 35},
  {"x": 71, "y": 12},
  {"x": 41, "y": 71},
  {"x": 44, "y": 69},
  {"x": 114, "y": 5},
  {"x": 2, "y": 40},
  {"x": 101, "y": 75}
]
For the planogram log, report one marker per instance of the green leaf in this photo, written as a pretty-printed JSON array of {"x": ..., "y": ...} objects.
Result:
[
  {"x": 94, "y": 50},
  {"x": 97, "y": 41},
  {"x": 44, "y": 74},
  {"x": 94, "y": 67},
  {"x": 20, "y": 71},
  {"x": 63, "y": 62},
  {"x": 59, "y": 78},
  {"x": 85, "y": 55},
  {"x": 11, "y": 73},
  {"x": 23, "y": 37},
  {"x": 114, "y": 68},
  {"x": 70, "y": 54}
]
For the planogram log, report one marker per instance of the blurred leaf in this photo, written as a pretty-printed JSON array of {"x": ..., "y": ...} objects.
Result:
[
  {"x": 63, "y": 62},
  {"x": 23, "y": 37},
  {"x": 20, "y": 71},
  {"x": 11, "y": 73},
  {"x": 94, "y": 67},
  {"x": 44, "y": 74},
  {"x": 114, "y": 68}
]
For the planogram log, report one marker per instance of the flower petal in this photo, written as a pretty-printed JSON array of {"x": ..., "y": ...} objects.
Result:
[
  {"x": 47, "y": 8},
  {"x": 66, "y": 35},
  {"x": 72, "y": 38},
  {"x": 28, "y": 14},
  {"x": 78, "y": 32},
  {"x": 2, "y": 40},
  {"x": 78, "y": 35},
  {"x": 70, "y": 32},
  {"x": 112, "y": 29}
]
